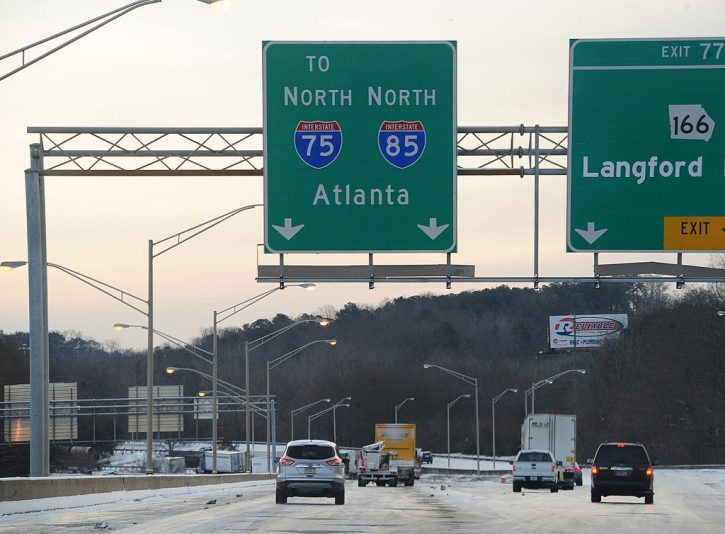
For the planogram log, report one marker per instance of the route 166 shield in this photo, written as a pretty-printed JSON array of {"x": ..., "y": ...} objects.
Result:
[
  {"x": 401, "y": 142},
  {"x": 318, "y": 143}
]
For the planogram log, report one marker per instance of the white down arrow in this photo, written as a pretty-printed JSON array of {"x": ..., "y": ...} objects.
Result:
[
  {"x": 433, "y": 230},
  {"x": 590, "y": 235},
  {"x": 288, "y": 231}
]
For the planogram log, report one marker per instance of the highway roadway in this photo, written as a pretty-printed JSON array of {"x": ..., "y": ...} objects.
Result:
[{"x": 685, "y": 501}]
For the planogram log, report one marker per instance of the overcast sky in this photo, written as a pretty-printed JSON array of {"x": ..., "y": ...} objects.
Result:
[{"x": 182, "y": 63}]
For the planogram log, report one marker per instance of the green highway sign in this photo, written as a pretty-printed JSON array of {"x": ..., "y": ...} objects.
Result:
[
  {"x": 646, "y": 169},
  {"x": 359, "y": 146}
]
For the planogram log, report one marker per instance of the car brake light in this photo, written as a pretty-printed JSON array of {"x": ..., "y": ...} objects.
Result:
[
  {"x": 553, "y": 468},
  {"x": 334, "y": 461},
  {"x": 513, "y": 468},
  {"x": 286, "y": 461},
  {"x": 595, "y": 470},
  {"x": 578, "y": 470},
  {"x": 648, "y": 472},
  {"x": 620, "y": 445}
]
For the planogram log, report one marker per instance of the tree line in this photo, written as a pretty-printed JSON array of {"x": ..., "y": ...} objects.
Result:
[{"x": 659, "y": 383}]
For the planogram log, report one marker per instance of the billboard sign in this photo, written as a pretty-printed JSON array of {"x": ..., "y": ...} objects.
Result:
[{"x": 568, "y": 332}]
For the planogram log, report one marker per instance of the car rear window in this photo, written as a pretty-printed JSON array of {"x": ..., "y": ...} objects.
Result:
[
  {"x": 614, "y": 454},
  {"x": 310, "y": 452},
  {"x": 534, "y": 457}
]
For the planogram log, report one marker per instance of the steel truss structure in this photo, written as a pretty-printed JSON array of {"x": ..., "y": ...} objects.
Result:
[
  {"x": 520, "y": 151},
  {"x": 12, "y": 411}
]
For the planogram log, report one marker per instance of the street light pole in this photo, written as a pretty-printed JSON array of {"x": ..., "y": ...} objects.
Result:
[
  {"x": 448, "y": 424},
  {"x": 399, "y": 406},
  {"x": 493, "y": 421},
  {"x": 271, "y": 364},
  {"x": 339, "y": 404},
  {"x": 301, "y": 409},
  {"x": 255, "y": 344},
  {"x": 215, "y": 404},
  {"x": 150, "y": 365},
  {"x": 550, "y": 380},
  {"x": 471, "y": 381},
  {"x": 38, "y": 273}
]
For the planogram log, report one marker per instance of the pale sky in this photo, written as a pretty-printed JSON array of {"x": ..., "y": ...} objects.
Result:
[{"x": 182, "y": 63}]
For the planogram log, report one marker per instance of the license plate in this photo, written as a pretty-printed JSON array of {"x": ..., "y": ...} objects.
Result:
[
  {"x": 533, "y": 479},
  {"x": 309, "y": 471},
  {"x": 622, "y": 473}
]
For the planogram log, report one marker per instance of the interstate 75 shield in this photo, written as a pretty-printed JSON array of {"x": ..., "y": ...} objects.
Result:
[
  {"x": 318, "y": 143},
  {"x": 401, "y": 142}
]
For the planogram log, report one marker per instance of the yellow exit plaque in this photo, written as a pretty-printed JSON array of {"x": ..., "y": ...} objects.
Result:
[{"x": 694, "y": 233}]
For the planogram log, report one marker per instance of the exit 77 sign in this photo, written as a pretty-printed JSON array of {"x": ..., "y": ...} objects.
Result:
[
  {"x": 360, "y": 146},
  {"x": 646, "y": 145}
]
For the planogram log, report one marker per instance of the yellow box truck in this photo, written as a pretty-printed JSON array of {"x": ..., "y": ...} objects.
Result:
[{"x": 400, "y": 440}]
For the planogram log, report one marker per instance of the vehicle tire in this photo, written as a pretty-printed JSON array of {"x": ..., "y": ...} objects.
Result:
[
  {"x": 555, "y": 488},
  {"x": 393, "y": 483},
  {"x": 596, "y": 496},
  {"x": 340, "y": 498},
  {"x": 280, "y": 497},
  {"x": 517, "y": 487},
  {"x": 412, "y": 482},
  {"x": 361, "y": 483},
  {"x": 579, "y": 482},
  {"x": 649, "y": 499}
]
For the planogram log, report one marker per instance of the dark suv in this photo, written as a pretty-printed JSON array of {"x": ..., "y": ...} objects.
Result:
[{"x": 622, "y": 469}]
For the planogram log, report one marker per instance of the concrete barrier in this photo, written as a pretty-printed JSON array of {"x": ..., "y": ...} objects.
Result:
[{"x": 20, "y": 489}]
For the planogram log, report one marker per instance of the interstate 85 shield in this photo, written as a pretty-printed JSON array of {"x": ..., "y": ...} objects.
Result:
[
  {"x": 401, "y": 142},
  {"x": 318, "y": 143}
]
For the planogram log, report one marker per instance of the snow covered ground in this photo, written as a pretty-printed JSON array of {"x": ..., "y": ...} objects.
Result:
[{"x": 687, "y": 501}]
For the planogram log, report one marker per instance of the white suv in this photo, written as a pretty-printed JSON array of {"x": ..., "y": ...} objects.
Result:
[
  {"x": 535, "y": 469},
  {"x": 310, "y": 468}
]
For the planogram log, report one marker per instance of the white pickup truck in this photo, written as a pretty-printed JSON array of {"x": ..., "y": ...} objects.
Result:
[{"x": 534, "y": 469}]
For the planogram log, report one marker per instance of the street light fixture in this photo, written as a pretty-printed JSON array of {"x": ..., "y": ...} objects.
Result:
[
  {"x": 39, "y": 413},
  {"x": 448, "y": 423},
  {"x": 493, "y": 421},
  {"x": 249, "y": 346},
  {"x": 302, "y": 409},
  {"x": 271, "y": 364},
  {"x": 546, "y": 381},
  {"x": 339, "y": 404},
  {"x": 473, "y": 381},
  {"x": 102, "y": 20},
  {"x": 397, "y": 407}
]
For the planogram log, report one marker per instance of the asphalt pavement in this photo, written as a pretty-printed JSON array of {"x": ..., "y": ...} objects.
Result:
[{"x": 685, "y": 501}]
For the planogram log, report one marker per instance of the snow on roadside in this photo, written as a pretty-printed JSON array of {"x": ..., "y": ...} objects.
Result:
[{"x": 9, "y": 508}]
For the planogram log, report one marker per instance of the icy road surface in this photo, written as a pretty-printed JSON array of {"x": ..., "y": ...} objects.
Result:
[{"x": 685, "y": 501}]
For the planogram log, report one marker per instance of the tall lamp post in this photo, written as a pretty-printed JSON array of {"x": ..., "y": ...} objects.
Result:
[
  {"x": 550, "y": 380},
  {"x": 493, "y": 421},
  {"x": 397, "y": 407},
  {"x": 271, "y": 364},
  {"x": 249, "y": 346},
  {"x": 39, "y": 361},
  {"x": 334, "y": 416},
  {"x": 339, "y": 404},
  {"x": 37, "y": 266},
  {"x": 448, "y": 423},
  {"x": 223, "y": 315},
  {"x": 302, "y": 409},
  {"x": 473, "y": 381}
]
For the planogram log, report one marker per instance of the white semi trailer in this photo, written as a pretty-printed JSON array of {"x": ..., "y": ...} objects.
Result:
[{"x": 555, "y": 433}]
